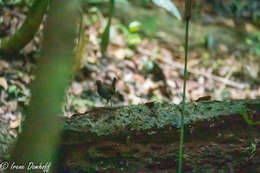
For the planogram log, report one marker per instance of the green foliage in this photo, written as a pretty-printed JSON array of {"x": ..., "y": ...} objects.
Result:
[
  {"x": 105, "y": 1},
  {"x": 252, "y": 149},
  {"x": 238, "y": 8},
  {"x": 133, "y": 37},
  {"x": 105, "y": 39},
  {"x": 79, "y": 102},
  {"x": 247, "y": 118},
  {"x": 169, "y": 6},
  {"x": 13, "y": 91},
  {"x": 253, "y": 41},
  {"x": 157, "y": 100},
  {"x": 149, "y": 25},
  {"x": 131, "y": 32},
  {"x": 165, "y": 4},
  {"x": 210, "y": 41},
  {"x": 134, "y": 26},
  {"x": 149, "y": 65}
]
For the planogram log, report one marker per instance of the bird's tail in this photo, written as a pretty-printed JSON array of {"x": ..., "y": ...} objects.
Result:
[{"x": 114, "y": 83}]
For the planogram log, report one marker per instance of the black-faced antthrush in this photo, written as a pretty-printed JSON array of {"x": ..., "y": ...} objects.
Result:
[{"x": 106, "y": 91}]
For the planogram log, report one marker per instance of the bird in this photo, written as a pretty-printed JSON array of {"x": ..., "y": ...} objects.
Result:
[{"x": 106, "y": 91}]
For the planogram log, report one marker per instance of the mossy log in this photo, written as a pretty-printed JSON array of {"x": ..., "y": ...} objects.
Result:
[{"x": 145, "y": 136}]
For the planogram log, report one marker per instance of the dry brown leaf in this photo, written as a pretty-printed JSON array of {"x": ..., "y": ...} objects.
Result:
[
  {"x": 12, "y": 106},
  {"x": 250, "y": 28},
  {"x": 229, "y": 22},
  {"x": 223, "y": 47},
  {"x": 26, "y": 78},
  {"x": 13, "y": 132},
  {"x": 138, "y": 78},
  {"x": 1, "y": 111},
  {"x": 81, "y": 109},
  {"x": 76, "y": 88},
  {"x": 3, "y": 65},
  {"x": 3, "y": 83},
  {"x": 120, "y": 53},
  {"x": 16, "y": 123}
]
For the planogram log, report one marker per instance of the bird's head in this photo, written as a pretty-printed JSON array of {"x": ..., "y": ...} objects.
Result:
[{"x": 98, "y": 83}]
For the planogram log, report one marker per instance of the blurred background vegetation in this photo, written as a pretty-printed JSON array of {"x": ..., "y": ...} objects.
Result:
[{"x": 146, "y": 51}]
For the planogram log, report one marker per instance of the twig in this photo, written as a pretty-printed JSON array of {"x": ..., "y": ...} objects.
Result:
[
  {"x": 187, "y": 17},
  {"x": 225, "y": 81}
]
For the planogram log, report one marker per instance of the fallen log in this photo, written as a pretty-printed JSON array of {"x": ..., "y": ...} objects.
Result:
[
  {"x": 151, "y": 118},
  {"x": 146, "y": 136}
]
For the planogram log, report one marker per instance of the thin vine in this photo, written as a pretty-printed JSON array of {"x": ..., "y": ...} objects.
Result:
[
  {"x": 187, "y": 19},
  {"x": 106, "y": 34}
]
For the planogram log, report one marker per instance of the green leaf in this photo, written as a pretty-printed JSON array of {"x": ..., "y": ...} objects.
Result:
[
  {"x": 134, "y": 26},
  {"x": 106, "y": 34},
  {"x": 105, "y": 39},
  {"x": 169, "y": 6},
  {"x": 122, "y": 1},
  {"x": 102, "y": 1},
  {"x": 14, "y": 2},
  {"x": 95, "y": 1},
  {"x": 133, "y": 39},
  {"x": 123, "y": 29},
  {"x": 149, "y": 65}
]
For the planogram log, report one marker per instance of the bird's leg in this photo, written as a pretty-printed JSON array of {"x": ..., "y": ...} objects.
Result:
[{"x": 107, "y": 101}]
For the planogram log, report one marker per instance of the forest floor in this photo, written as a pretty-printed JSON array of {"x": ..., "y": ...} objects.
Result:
[{"x": 223, "y": 63}]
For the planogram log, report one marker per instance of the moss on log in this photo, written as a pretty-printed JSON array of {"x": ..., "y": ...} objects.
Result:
[
  {"x": 145, "y": 138},
  {"x": 136, "y": 133},
  {"x": 150, "y": 116},
  {"x": 6, "y": 140}
]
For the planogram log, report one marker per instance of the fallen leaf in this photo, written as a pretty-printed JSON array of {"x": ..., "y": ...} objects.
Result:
[
  {"x": 3, "y": 83},
  {"x": 120, "y": 53},
  {"x": 13, "y": 132},
  {"x": 26, "y": 78},
  {"x": 3, "y": 65},
  {"x": 16, "y": 122},
  {"x": 81, "y": 109},
  {"x": 1, "y": 111},
  {"x": 76, "y": 88},
  {"x": 250, "y": 28},
  {"x": 12, "y": 106}
]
